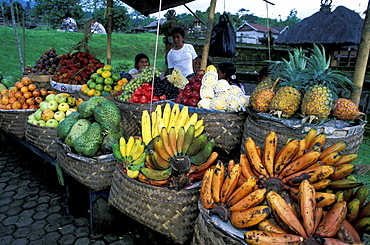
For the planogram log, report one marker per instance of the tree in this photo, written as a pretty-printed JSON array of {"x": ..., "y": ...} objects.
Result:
[
  {"x": 53, "y": 11},
  {"x": 121, "y": 19},
  {"x": 18, "y": 11}
]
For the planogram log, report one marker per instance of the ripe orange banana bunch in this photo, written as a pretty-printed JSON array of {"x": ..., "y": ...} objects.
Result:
[
  {"x": 304, "y": 222},
  {"x": 239, "y": 203}
]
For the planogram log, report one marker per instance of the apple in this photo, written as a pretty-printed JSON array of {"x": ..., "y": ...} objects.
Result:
[
  {"x": 50, "y": 97},
  {"x": 40, "y": 122},
  {"x": 59, "y": 115},
  {"x": 61, "y": 98},
  {"x": 53, "y": 105},
  {"x": 63, "y": 107},
  {"x": 70, "y": 111},
  {"x": 31, "y": 117},
  {"x": 37, "y": 114},
  {"x": 47, "y": 114},
  {"x": 52, "y": 123},
  {"x": 44, "y": 105}
]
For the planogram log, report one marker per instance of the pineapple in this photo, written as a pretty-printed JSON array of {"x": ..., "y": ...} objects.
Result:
[
  {"x": 263, "y": 85},
  {"x": 318, "y": 98},
  {"x": 263, "y": 100},
  {"x": 293, "y": 78},
  {"x": 346, "y": 110}
]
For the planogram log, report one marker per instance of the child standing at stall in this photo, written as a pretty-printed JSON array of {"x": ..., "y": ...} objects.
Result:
[{"x": 182, "y": 55}]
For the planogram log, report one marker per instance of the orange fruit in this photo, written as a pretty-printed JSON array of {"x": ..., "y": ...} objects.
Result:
[{"x": 91, "y": 92}]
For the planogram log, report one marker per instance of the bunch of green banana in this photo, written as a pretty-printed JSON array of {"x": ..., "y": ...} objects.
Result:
[
  {"x": 131, "y": 154},
  {"x": 182, "y": 152},
  {"x": 358, "y": 210},
  {"x": 152, "y": 124}
]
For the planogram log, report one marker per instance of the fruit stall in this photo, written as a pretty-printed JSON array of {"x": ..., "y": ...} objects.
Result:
[{"x": 197, "y": 160}]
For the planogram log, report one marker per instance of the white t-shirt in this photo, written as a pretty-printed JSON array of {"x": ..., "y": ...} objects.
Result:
[
  {"x": 133, "y": 71},
  {"x": 182, "y": 59}
]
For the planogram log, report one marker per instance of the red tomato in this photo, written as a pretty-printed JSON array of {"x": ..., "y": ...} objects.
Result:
[
  {"x": 138, "y": 91},
  {"x": 143, "y": 99},
  {"x": 155, "y": 98},
  {"x": 147, "y": 94},
  {"x": 135, "y": 98},
  {"x": 163, "y": 97},
  {"x": 145, "y": 85}
]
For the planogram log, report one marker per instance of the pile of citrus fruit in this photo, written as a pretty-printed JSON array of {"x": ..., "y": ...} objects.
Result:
[{"x": 103, "y": 83}]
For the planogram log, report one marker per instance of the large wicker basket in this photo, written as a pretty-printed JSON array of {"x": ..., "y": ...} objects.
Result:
[
  {"x": 169, "y": 212},
  {"x": 44, "y": 138},
  {"x": 258, "y": 125},
  {"x": 95, "y": 173},
  {"x": 208, "y": 231},
  {"x": 14, "y": 121}
]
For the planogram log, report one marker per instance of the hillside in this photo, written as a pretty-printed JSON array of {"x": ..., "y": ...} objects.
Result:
[{"x": 124, "y": 47}]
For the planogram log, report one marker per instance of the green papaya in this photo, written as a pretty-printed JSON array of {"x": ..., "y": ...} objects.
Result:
[
  {"x": 77, "y": 129},
  {"x": 65, "y": 126},
  {"x": 89, "y": 142}
]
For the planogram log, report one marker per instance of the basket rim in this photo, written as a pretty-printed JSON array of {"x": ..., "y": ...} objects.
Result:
[{"x": 20, "y": 110}]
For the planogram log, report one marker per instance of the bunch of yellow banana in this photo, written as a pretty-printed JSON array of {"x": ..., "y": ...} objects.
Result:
[
  {"x": 152, "y": 124},
  {"x": 168, "y": 151},
  {"x": 131, "y": 154}
]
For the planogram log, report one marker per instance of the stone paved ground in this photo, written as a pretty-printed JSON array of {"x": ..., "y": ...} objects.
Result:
[{"x": 33, "y": 207}]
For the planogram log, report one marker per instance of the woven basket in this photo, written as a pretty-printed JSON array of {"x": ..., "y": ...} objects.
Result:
[
  {"x": 169, "y": 212},
  {"x": 131, "y": 115},
  {"x": 258, "y": 126},
  {"x": 95, "y": 173},
  {"x": 44, "y": 138},
  {"x": 14, "y": 121},
  {"x": 208, "y": 232}
]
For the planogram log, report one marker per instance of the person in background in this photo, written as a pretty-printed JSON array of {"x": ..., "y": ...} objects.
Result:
[
  {"x": 141, "y": 61},
  {"x": 69, "y": 24},
  {"x": 263, "y": 73},
  {"x": 98, "y": 28},
  {"x": 181, "y": 55},
  {"x": 226, "y": 70},
  {"x": 198, "y": 62}
]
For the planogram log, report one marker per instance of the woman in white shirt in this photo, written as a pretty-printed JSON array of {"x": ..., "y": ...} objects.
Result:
[{"x": 182, "y": 55}]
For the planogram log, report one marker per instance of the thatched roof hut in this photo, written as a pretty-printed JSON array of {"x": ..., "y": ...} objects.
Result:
[{"x": 340, "y": 27}]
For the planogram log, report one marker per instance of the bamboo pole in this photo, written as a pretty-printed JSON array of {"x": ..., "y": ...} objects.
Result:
[
  {"x": 362, "y": 58},
  {"x": 109, "y": 31},
  {"x": 16, "y": 36},
  {"x": 207, "y": 39}
]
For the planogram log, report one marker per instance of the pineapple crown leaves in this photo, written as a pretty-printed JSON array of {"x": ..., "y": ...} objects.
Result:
[
  {"x": 292, "y": 72},
  {"x": 320, "y": 72}
]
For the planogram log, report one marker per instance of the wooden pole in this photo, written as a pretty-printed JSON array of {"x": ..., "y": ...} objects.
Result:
[
  {"x": 16, "y": 36},
  {"x": 207, "y": 39},
  {"x": 109, "y": 31},
  {"x": 362, "y": 58}
]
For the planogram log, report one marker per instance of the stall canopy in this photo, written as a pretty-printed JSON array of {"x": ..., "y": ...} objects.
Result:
[
  {"x": 149, "y": 7},
  {"x": 339, "y": 27}
]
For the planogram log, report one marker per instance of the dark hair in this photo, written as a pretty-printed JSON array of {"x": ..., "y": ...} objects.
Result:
[
  {"x": 138, "y": 57},
  {"x": 67, "y": 15},
  {"x": 264, "y": 72},
  {"x": 200, "y": 56},
  {"x": 178, "y": 29},
  {"x": 229, "y": 69}
]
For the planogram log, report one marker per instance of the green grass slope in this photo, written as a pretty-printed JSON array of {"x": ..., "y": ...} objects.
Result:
[{"x": 124, "y": 47}]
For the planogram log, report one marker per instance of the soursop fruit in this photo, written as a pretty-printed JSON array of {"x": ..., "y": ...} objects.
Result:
[
  {"x": 65, "y": 126},
  {"x": 89, "y": 143},
  {"x": 108, "y": 116},
  {"x": 86, "y": 108},
  {"x": 79, "y": 128}
]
